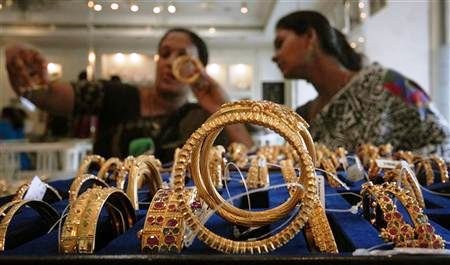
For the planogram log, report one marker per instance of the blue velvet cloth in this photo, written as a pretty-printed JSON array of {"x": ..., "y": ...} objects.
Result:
[{"x": 351, "y": 231}]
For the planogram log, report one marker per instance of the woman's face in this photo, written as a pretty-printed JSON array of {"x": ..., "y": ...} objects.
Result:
[
  {"x": 174, "y": 45},
  {"x": 293, "y": 53}
]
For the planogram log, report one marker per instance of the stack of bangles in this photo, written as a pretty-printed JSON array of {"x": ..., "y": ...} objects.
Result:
[
  {"x": 424, "y": 167},
  {"x": 9, "y": 210},
  {"x": 294, "y": 129},
  {"x": 379, "y": 208},
  {"x": 78, "y": 234},
  {"x": 52, "y": 197}
]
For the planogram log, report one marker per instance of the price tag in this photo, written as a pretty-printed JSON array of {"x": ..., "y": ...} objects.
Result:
[
  {"x": 36, "y": 190},
  {"x": 389, "y": 164},
  {"x": 320, "y": 182}
]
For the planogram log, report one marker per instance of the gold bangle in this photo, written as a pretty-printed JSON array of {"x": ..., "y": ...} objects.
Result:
[
  {"x": 425, "y": 164},
  {"x": 79, "y": 231},
  {"x": 144, "y": 167},
  {"x": 216, "y": 165},
  {"x": 443, "y": 170},
  {"x": 78, "y": 183},
  {"x": 258, "y": 173},
  {"x": 407, "y": 181},
  {"x": 408, "y": 156},
  {"x": 278, "y": 118},
  {"x": 184, "y": 61},
  {"x": 396, "y": 229},
  {"x": 164, "y": 226},
  {"x": 89, "y": 162},
  {"x": 113, "y": 166},
  {"x": 9, "y": 210},
  {"x": 238, "y": 153}
]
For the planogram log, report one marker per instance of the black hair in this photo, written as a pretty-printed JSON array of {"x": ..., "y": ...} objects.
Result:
[
  {"x": 82, "y": 75},
  {"x": 332, "y": 41},
  {"x": 196, "y": 40}
]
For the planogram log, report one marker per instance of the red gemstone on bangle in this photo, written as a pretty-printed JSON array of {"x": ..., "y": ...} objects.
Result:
[
  {"x": 152, "y": 241},
  {"x": 159, "y": 219},
  {"x": 172, "y": 223},
  {"x": 151, "y": 219},
  {"x": 169, "y": 239},
  {"x": 159, "y": 206}
]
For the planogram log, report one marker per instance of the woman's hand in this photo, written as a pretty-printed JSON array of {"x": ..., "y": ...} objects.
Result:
[
  {"x": 27, "y": 69},
  {"x": 208, "y": 93}
]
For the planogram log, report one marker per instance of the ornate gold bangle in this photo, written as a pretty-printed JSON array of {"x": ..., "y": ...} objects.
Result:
[
  {"x": 79, "y": 181},
  {"x": 186, "y": 61},
  {"x": 216, "y": 165},
  {"x": 89, "y": 162},
  {"x": 113, "y": 167},
  {"x": 22, "y": 190},
  {"x": 283, "y": 121},
  {"x": 407, "y": 181},
  {"x": 408, "y": 156},
  {"x": 164, "y": 226},
  {"x": 143, "y": 168},
  {"x": 238, "y": 153},
  {"x": 258, "y": 173},
  {"x": 443, "y": 170},
  {"x": 79, "y": 229},
  {"x": 425, "y": 164},
  {"x": 9, "y": 210},
  {"x": 393, "y": 226}
]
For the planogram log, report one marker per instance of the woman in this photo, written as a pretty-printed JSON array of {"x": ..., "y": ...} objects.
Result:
[
  {"x": 125, "y": 112},
  {"x": 355, "y": 104}
]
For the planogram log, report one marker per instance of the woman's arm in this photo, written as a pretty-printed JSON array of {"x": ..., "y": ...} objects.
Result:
[{"x": 27, "y": 71}]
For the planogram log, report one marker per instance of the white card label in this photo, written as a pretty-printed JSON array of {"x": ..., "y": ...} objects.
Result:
[
  {"x": 36, "y": 191},
  {"x": 390, "y": 164},
  {"x": 320, "y": 182}
]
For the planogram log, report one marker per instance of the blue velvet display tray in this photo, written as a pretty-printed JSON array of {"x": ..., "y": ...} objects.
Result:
[{"x": 351, "y": 231}]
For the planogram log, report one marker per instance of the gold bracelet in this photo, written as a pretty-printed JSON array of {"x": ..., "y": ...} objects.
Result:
[
  {"x": 113, "y": 167},
  {"x": 407, "y": 181},
  {"x": 89, "y": 162},
  {"x": 184, "y": 61},
  {"x": 443, "y": 170},
  {"x": 164, "y": 226},
  {"x": 79, "y": 230},
  {"x": 425, "y": 164},
  {"x": 396, "y": 229},
  {"x": 144, "y": 167},
  {"x": 258, "y": 173},
  {"x": 216, "y": 165},
  {"x": 238, "y": 153},
  {"x": 283, "y": 121},
  {"x": 10, "y": 209},
  {"x": 408, "y": 156},
  {"x": 78, "y": 183}
]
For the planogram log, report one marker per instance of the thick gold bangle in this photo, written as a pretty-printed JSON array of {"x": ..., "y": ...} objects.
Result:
[
  {"x": 396, "y": 229},
  {"x": 425, "y": 164},
  {"x": 22, "y": 190},
  {"x": 79, "y": 230},
  {"x": 322, "y": 237},
  {"x": 287, "y": 124},
  {"x": 113, "y": 167},
  {"x": 9, "y": 210},
  {"x": 144, "y": 167},
  {"x": 164, "y": 226},
  {"x": 78, "y": 183}
]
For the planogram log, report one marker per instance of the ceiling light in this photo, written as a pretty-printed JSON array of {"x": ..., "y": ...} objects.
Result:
[
  {"x": 363, "y": 15},
  {"x": 119, "y": 57},
  {"x": 171, "y": 8},
  {"x": 114, "y": 6},
  {"x": 361, "y": 39},
  {"x": 97, "y": 7},
  {"x": 157, "y": 10},
  {"x": 1, "y": 6},
  {"x": 353, "y": 45},
  {"x": 212, "y": 30},
  {"x": 91, "y": 4},
  {"x": 244, "y": 8},
  {"x": 134, "y": 8},
  {"x": 91, "y": 57},
  {"x": 361, "y": 4},
  {"x": 135, "y": 58}
]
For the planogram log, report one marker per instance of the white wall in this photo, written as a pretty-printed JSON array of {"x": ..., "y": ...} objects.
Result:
[{"x": 398, "y": 37}]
